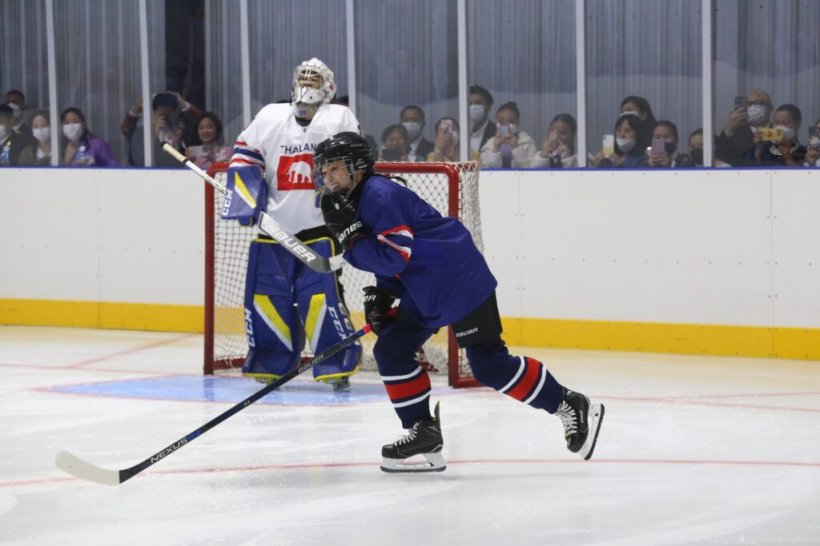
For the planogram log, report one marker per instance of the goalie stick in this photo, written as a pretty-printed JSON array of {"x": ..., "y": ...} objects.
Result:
[
  {"x": 84, "y": 470},
  {"x": 302, "y": 252}
]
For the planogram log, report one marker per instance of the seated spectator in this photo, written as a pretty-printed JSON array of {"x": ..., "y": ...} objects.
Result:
[
  {"x": 632, "y": 137},
  {"x": 395, "y": 143},
  {"x": 211, "y": 148},
  {"x": 82, "y": 148},
  {"x": 669, "y": 156},
  {"x": 16, "y": 100},
  {"x": 509, "y": 148},
  {"x": 558, "y": 148},
  {"x": 173, "y": 120},
  {"x": 735, "y": 143},
  {"x": 813, "y": 147},
  {"x": 41, "y": 131},
  {"x": 781, "y": 148},
  {"x": 15, "y": 149},
  {"x": 412, "y": 117},
  {"x": 640, "y": 107},
  {"x": 696, "y": 147},
  {"x": 482, "y": 130},
  {"x": 446, "y": 145}
]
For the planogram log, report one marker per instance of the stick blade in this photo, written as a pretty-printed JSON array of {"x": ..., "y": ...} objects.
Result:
[{"x": 84, "y": 470}]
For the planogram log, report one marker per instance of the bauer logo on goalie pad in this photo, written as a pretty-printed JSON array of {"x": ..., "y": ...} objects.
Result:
[{"x": 295, "y": 173}]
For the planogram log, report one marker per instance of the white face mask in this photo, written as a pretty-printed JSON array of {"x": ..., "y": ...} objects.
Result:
[
  {"x": 788, "y": 132},
  {"x": 756, "y": 113},
  {"x": 73, "y": 131},
  {"x": 4, "y": 132},
  {"x": 413, "y": 129},
  {"x": 308, "y": 95},
  {"x": 625, "y": 144},
  {"x": 477, "y": 113},
  {"x": 513, "y": 129},
  {"x": 15, "y": 107},
  {"x": 41, "y": 133}
]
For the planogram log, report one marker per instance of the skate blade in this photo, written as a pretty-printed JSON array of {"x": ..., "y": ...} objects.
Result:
[
  {"x": 596, "y": 417},
  {"x": 434, "y": 463}
]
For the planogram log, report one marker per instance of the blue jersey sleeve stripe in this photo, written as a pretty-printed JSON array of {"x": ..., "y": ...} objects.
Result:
[{"x": 405, "y": 251}]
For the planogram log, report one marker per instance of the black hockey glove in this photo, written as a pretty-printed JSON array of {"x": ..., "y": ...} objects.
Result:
[
  {"x": 341, "y": 219},
  {"x": 377, "y": 305}
]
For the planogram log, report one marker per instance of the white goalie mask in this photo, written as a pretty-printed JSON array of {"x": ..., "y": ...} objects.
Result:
[{"x": 306, "y": 74}]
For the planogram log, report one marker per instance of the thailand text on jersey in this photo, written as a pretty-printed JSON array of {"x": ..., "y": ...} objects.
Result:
[
  {"x": 284, "y": 149},
  {"x": 428, "y": 260}
]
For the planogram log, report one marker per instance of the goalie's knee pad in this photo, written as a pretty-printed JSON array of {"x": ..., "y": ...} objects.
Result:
[
  {"x": 274, "y": 331},
  {"x": 325, "y": 317}
]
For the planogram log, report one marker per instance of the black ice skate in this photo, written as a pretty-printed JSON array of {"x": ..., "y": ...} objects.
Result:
[
  {"x": 425, "y": 439},
  {"x": 340, "y": 384},
  {"x": 582, "y": 422}
]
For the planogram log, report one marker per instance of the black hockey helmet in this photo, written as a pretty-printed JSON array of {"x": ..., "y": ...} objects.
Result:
[{"x": 350, "y": 147}]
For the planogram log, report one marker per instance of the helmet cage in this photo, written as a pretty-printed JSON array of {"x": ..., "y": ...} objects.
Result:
[
  {"x": 309, "y": 70},
  {"x": 349, "y": 147}
]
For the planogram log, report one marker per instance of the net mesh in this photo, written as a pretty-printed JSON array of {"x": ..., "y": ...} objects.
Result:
[{"x": 451, "y": 188}]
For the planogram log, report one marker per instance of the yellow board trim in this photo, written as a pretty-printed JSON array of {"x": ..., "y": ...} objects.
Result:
[{"x": 706, "y": 339}]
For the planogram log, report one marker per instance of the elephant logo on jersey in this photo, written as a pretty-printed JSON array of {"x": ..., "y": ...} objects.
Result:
[{"x": 295, "y": 173}]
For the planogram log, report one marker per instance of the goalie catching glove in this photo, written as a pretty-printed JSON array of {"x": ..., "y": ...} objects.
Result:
[
  {"x": 341, "y": 219},
  {"x": 377, "y": 304}
]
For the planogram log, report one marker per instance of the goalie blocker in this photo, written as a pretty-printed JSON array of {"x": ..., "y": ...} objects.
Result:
[{"x": 432, "y": 266}]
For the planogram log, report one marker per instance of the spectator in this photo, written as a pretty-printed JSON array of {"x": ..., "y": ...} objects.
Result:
[
  {"x": 813, "y": 147},
  {"x": 212, "y": 147},
  {"x": 668, "y": 156},
  {"x": 82, "y": 148},
  {"x": 446, "y": 145},
  {"x": 640, "y": 107},
  {"x": 412, "y": 117},
  {"x": 173, "y": 120},
  {"x": 41, "y": 131},
  {"x": 509, "y": 148},
  {"x": 558, "y": 148},
  {"x": 735, "y": 143},
  {"x": 16, "y": 100},
  {"x": 781, "y": 148},
  {"x": 395, "y": 143},
  {"x": 696, "y": 147},
  {"x": 15, "y": 149},
  {"x": 481, "y": 103},
  {"x": 632, "y": 137}
]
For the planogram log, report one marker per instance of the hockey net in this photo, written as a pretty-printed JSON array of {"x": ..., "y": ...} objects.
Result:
[{"x": 452, "y": 188}]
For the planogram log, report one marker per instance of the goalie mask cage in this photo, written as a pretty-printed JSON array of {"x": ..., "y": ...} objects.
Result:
[{"x": 452, "y": 188}]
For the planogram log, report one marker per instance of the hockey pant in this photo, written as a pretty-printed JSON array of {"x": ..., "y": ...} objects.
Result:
[
  {"x": 408, "y": 385},
  {"x": 285, "y": 302}
]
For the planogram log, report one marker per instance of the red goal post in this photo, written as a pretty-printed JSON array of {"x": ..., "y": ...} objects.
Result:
[{"x": 452, "y": 188}]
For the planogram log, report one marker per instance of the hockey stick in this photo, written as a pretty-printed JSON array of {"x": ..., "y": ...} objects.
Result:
[
  {"x": 303, "y": 253},
  {"x": 86, "y": 471}
]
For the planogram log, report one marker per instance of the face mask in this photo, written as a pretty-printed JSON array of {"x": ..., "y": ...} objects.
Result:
[
  {"x": 41, "y": 133},
  {"x": 4, "y": 132},
  {"x": 697, "y": 156},
  {"x": 477, "y": 113},
  {"x": 307, "y": 95},
  {"x": 625, "y": 144},
  {"x": 413, "y": 129},
  {"x": 15, "y": 108},
  {"x": 670, "y": 148},
  {"x": 788, "y": 132},
  {"x": 756, "y": 113},
  {"x": 73, "y": 131},
  {"x": 513, "y": 129}
]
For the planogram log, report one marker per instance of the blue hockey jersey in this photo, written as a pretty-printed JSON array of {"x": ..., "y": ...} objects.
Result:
[{"x": 427, "y": 260}]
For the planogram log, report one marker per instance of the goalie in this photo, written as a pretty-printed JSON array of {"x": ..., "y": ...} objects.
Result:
[
  {"x": 432, "y": 265},
  {"x": 287, "y": 303}
]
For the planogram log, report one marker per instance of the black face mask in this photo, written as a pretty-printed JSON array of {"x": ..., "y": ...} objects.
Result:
[
  {"x": 697, "y": 155},
  {"x": 391, "y": 154},
  {"x": 670, "y": 148}
]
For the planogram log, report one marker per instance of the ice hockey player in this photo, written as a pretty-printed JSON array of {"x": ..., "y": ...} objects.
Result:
[
  {"x": 432, "y": 266},
  {"x": 271, "y": 169}
]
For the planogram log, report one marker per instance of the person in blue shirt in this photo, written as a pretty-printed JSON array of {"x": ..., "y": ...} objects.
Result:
[{"x": 431, "y": 265}]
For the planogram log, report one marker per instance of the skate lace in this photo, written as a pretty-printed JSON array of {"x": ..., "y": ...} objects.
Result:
[
  {"x": 568, "y": 417},
  {"x": 411, "y": 435}
]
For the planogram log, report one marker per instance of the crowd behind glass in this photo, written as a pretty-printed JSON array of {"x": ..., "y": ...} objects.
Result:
[{"x": 757, "y": 133}]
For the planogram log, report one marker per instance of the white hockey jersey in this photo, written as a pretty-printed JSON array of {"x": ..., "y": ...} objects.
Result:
[{"x": 284, "y": 150}]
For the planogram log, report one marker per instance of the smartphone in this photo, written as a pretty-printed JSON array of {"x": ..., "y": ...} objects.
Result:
[
  {"x": 446, "y": 125},
  {"x": 658, "y": 146},
  {"x": 814, "y": 137},
  {"x": 740, "y": 102},
  {"x": 770, "y": 134},
  {"x": 504, "y": 131},
  {"x": 608, "y": 146}
]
